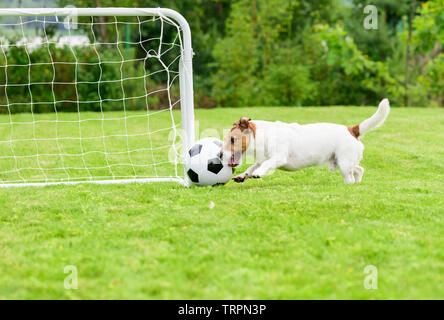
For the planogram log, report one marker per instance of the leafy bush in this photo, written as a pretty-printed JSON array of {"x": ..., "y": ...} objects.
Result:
[
  {"x": 286, "y": 80},
  {"x": 344, "y": 74},
  {"x": 77, "y": 75},
  {"x": 325, "y": 68},
  {"x": 433, "y": 80}
]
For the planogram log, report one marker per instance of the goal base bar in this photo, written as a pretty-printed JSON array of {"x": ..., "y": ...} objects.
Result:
[{"x": 121, "y": 181}]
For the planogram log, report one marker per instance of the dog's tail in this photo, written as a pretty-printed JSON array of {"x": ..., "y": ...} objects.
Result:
[{"x": 373, "y": 122}]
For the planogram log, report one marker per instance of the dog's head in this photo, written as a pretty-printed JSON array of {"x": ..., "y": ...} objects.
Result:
[{"x": 237, "y": 141}]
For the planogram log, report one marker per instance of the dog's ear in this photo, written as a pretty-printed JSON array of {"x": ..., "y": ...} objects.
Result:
[{"x": 244, "y": 123}]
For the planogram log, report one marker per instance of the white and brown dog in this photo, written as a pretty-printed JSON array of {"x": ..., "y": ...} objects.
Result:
[{"x": 291, "y": 146}]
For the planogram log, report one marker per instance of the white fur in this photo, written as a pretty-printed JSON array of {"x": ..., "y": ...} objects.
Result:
[
  {"x": 377, "y": 119},
  {"x": 290, "y": 147}
]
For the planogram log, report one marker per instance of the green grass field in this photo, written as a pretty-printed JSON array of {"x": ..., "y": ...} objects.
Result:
[{"x": 299, "y": 235}]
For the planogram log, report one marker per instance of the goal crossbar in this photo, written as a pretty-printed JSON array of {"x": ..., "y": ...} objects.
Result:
[{"x": 185, "y": 76}]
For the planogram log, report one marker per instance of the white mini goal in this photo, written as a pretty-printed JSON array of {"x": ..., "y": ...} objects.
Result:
[{"x": 94, "y": 95}]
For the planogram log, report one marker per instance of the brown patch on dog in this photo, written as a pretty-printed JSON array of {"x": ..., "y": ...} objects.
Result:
[
  {"x": 252, "y": 127},
  {"x": 242, "y": 124},
  {"x": 354, "y": 131}
]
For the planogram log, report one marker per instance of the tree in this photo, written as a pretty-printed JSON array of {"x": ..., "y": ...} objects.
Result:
[
  {"x": 262, "y": 44},
  {"x": 428, "y": 38},
  {"x": 377, "y": 44}
]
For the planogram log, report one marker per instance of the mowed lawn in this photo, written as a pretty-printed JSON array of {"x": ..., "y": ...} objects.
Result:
[{"x": 298, "y": 235}]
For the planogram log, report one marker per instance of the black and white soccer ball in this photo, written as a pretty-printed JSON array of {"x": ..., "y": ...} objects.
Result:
[{"x": 203, "y": 163}]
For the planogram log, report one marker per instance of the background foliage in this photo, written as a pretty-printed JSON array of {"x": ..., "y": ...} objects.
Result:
[{"x": 298, "y": 53}]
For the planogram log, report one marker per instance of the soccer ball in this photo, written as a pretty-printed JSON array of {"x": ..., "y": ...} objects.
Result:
[{"x": 203, "y": 165}]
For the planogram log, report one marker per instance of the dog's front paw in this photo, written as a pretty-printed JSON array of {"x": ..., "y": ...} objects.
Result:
[
  {"x": 256, "y": 176},
  {"x": 240, "y": 178}
]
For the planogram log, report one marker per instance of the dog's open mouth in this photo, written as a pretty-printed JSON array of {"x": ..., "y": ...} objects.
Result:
[{"x": 234, "y": 161}]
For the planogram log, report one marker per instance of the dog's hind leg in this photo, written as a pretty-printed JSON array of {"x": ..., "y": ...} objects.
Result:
[
  {"x": 358, "y": 171},
  {"x": 348, "y": 159},
  {"x": 347, "y": 170},
  {"x": 332, "y": 163}
]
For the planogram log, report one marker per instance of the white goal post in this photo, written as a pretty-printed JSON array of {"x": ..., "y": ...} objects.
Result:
[{"x": 107, "y": 123}]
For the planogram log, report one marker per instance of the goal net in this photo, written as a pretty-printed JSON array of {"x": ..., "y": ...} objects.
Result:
[{"x": 99, "y": 95}]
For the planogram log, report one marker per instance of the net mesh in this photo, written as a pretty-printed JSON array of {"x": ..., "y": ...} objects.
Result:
[{"x": 94, "y": 102}]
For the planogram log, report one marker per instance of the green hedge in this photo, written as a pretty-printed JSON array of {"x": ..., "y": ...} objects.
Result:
[{"x": 31, "y": 76}]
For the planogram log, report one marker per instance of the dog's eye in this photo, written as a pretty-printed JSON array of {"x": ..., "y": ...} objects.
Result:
[{"x": 232, "y": 140}]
